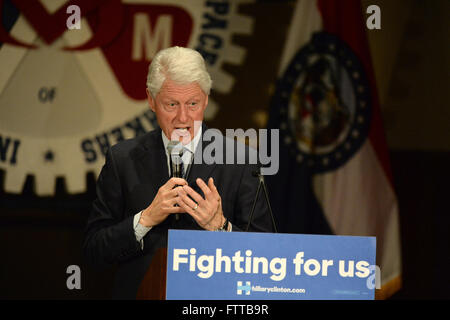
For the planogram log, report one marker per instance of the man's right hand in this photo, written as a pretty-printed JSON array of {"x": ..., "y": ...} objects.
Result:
[{"x": 163, "y": 204}]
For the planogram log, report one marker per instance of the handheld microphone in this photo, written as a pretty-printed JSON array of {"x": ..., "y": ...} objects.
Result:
[
  {"x": 175, "y": 150},
  {"x": 257, "y": 173}
]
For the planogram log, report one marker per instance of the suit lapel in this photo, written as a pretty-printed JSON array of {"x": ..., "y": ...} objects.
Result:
[{"x": 151, "y": 161}]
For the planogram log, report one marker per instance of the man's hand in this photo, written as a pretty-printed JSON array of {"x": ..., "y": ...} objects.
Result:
[
  {"x": 163, "y": 204},
  {"x": 206, "y": 212}
]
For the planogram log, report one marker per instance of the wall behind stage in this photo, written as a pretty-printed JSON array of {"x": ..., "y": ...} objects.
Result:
[
  {"x": 41, "y": 236},
  {"x": 412, "y": 67}
]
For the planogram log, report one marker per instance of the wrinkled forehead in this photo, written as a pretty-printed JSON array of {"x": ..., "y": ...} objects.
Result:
[{"x": 172, "y": 89}]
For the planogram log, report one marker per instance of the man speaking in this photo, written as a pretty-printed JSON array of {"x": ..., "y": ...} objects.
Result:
[{"x": 151, "y": 183}]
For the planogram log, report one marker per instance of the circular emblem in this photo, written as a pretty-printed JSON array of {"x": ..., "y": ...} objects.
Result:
[
  {"x": 66, "y": 96},
  {"x": 324, "y": 104}
]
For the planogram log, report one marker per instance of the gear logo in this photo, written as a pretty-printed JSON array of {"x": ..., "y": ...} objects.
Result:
[{"x": 66, "y": 95}]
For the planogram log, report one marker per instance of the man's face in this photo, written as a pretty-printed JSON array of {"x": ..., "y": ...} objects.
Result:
[{"x": 177, "y": 107}]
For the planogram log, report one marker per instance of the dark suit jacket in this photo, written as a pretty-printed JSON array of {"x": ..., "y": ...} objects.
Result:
[{"x": 134, "y": 170}]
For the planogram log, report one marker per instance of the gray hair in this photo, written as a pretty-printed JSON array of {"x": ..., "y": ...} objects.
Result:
[{"x": 182, "y": 65}]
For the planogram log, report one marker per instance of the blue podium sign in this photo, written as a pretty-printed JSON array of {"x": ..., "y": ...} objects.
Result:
[{"x": 205, "y": 265}]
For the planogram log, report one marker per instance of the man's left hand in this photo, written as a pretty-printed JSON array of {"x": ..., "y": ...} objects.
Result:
[{"x": 207, "y": 212}]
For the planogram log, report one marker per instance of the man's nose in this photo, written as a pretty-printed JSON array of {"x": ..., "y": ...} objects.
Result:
[{"x": 182, "y": 114}]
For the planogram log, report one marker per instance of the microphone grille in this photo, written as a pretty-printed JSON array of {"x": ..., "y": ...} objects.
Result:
[{"x": 174, "y": 147}]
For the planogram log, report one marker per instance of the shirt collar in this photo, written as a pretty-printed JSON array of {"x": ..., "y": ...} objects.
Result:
[{"x": 191, "y": 146}]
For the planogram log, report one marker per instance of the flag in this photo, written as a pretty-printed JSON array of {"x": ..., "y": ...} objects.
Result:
[{"x": 334, "y": 164}]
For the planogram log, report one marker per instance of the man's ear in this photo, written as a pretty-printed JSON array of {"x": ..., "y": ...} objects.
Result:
[
  {"x": 151, "y": 101},
  {"x": 206, "y": 102}
]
